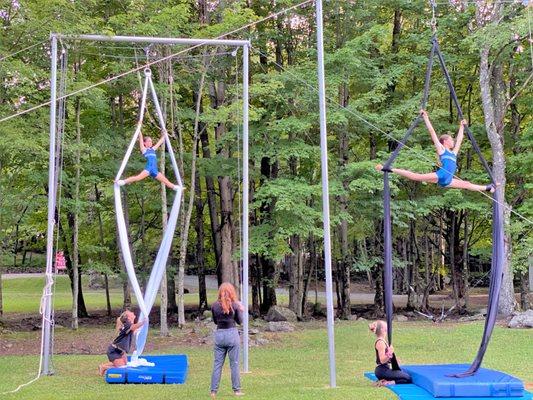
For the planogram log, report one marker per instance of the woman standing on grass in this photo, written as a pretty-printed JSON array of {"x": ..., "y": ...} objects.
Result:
[{"x": 227, "y": 312}]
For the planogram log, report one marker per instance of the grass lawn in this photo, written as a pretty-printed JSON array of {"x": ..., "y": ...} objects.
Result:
[
  {"x": 294, "y": 367},
  {"x": 23, "y": 295}
]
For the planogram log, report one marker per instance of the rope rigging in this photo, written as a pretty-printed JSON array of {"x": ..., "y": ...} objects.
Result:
[{"x": 498, "y": 251}]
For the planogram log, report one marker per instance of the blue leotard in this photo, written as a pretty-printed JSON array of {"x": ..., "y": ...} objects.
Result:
[
  {"x": 151, "y": 161},
  {"x": 448, "y": 167}
]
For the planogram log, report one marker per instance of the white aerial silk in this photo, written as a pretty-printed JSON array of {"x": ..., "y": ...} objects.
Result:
[{"x": 147, "y": 301}]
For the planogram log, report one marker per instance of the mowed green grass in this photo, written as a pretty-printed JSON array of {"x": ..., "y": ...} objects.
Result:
[
  {"x": 293, "y": 367},
  {"x": 23, "y": 295}
]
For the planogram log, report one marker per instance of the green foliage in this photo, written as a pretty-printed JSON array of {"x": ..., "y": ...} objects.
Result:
[{"x": 383, "y": 81}]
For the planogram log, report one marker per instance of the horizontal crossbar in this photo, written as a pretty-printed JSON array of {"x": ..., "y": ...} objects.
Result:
[{"x": 148, "y": 39}]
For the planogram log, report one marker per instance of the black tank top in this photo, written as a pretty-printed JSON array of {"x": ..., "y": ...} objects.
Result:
[
  {"x": 123, "y": 340},
  {"x": 378, "y": 361}
]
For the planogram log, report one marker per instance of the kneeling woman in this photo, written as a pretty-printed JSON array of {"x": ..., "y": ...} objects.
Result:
[
  {"x": 384, "y": 353},
  {"x": 118, "y": 350}
]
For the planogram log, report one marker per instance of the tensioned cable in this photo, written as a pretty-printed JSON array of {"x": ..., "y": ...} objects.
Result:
[
  {"x": 134, "y": 57},
  {"x": 133, "y": 70},
  {"x": 22, "y": 50},
  {"x": 362, "y": 119}
]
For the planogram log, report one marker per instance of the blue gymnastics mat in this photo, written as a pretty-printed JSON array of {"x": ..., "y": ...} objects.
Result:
[
  {"x": 168, "y": 369},
  {"x": 413, "y": 392},
  {"x": 485, "y": 383}
]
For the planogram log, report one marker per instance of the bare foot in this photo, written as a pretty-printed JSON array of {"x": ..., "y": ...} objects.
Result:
[
  {"x": 238, "y": 393},
  {"x": 213, "y": 395},
  {"x": 101, "y": 370},
  {"x": 379, "y": 167}
]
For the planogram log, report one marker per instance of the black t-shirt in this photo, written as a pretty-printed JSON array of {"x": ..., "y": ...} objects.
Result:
[
  {"x": 123, "y": 340},
  {"x": 226, "y": 321}
]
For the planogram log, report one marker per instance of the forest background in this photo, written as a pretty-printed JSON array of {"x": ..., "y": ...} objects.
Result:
[{"x": 376, "y": 53}]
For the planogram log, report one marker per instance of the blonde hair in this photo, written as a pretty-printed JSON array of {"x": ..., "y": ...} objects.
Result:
[
  {"x": 444, "y": 137},
  {"x": 378, "y": 327},
  {"x": 124, "y": 316}
]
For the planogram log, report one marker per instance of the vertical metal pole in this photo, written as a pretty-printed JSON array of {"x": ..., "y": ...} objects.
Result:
[
  {"x": 325, "y": 191},
  {"x": 46, "y": 323},
  {"x": 245, "y": 189}
]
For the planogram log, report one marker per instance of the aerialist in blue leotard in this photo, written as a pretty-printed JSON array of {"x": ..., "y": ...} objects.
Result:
[
  {"x": 148, "y": 151},
  {"x": 447, "y": 152}
]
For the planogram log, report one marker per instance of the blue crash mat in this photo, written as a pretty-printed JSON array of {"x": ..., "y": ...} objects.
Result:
[
  {"x": 167, "y": 369},
  {"x": 485, "y": 383},
  {"x": 413, "y": 392}
]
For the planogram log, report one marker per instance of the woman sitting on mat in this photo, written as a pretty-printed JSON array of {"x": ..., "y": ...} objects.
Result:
[
  {"x": 447, "y": 152},
  {"x": 384, "y": 353},
  {"x": 227, "y": 312},
  {"x": 118, "y": 350},
  {"x": 148, "y": 151}
]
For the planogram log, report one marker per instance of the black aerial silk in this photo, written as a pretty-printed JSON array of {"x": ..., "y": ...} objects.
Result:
[{"x": 498, "y": 253}]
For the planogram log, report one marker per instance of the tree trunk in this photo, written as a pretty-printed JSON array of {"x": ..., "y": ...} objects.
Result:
[
  {"x": 344, "y": 307},
  {"x": 229, "y": 271},
  {"x": 82, "y": 309},
  {"x": 268, "y": 267},
  {"x": 97, "y": 195},
  {"x": 75, "y": 233},
  {"x": 190, "y": 204},
  {"x": 296, "y": 276},
  {"x": 212, "y": 204},
  {"x": 107, "y": 296},
  {"x": 494, "y": 110},
  {"x": 163, "y": 328},
  {"x": 200, "y": 259},
  {"x": 466, "y": 270},
  {"x": 312, "y": 261}
]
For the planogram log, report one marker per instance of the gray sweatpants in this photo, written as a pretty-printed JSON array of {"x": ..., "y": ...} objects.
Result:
[{"x": 227, "y": 341}]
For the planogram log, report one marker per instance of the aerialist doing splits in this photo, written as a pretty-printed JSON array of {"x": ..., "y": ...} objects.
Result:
[
  {"x": 148, "y": 151},
  {"x": 447, "y": 152}
]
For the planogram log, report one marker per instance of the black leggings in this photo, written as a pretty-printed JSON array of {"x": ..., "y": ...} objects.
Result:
[{"x": 384, "y": 372}]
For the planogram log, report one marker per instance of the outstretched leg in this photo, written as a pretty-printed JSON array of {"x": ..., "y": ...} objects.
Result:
[
  {"x": 139, "y": 177},
  {"x": 430, "y": 177},
  {"x": 162, "y": 178},
  {"x": 460, "y": 184}
]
